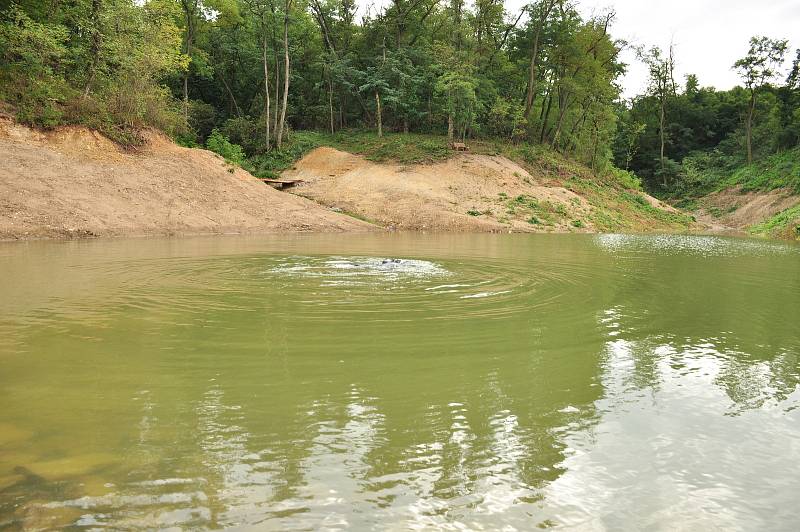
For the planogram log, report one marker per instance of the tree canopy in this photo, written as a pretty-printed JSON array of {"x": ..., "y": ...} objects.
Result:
[{"x": 257, "y": 70}]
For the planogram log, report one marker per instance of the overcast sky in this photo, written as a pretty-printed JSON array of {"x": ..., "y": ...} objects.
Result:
[{"x": 709, "y": 35}]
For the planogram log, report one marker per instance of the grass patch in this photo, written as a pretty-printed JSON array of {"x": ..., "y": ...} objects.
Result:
[
  {"x": 537, "y": 212},
  {"x": 781, "y": 170},
  {"x": 404, "y": 148},
  {"x": 272, "y": 163},
  {"x": 615, "y": 197},
  {"x": 785, "y": 224}
]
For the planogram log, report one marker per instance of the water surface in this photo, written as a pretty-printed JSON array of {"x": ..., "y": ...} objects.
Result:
[{"x": 401, "y": 382}]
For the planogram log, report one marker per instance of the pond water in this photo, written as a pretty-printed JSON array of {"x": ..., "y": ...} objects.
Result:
[{"x": 401, "y": 381}]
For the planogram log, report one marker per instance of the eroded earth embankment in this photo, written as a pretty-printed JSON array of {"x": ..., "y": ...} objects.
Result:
[
  {"x": 473, "y": 192},
  {"x": 73, "y": 182}
]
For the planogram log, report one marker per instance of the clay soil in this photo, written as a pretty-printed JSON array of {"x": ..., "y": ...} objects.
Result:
[
  {"x": 465, "y": 193},
  {"x": 73, "y": 182},
  {"x": 733, "y": 210}
]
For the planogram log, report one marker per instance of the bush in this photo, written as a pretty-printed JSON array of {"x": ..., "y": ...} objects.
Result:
[
  {"x": 247, "y": 133},
  {"x": 625, "y": 178},
  {"x": 46, "y": 76},
  {"x": 202, "y": 119},
  {"x": 271, "y": 163},
  {"x": 219, "y": 143},
  {"x": 29, "y": 53}
]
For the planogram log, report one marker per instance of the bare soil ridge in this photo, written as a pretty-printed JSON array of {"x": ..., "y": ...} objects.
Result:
[
  {"x": 464, "y": 193},
  {"x": 734, "y": 210},
  {"x": 73, "y": 182}
]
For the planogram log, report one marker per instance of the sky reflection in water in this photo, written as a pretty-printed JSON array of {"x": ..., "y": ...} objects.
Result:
[{"x": 607, "y": 382}]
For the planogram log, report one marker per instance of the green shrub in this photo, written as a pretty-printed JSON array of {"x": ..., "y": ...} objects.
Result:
[
  {"x": 219, "y": 143},
  {"x": 626, "y": 179},
  {"x": 271, "y": 163}
]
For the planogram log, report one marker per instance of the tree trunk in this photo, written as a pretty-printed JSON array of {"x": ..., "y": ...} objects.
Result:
[
  {"x": 234, "y": 103},
  {"x": 662, "y": 119},
  {"x": 188, "y": 11},
  {"x": 277, "y": 94},
  {"x": 450, "y": 127},
  {"x": 749, "y": 127},
  {"x": 279, "y": 139},
  {"x": 546, "y": 116},
  {"x": 95, "y": 48},
  {"x": 378, "y": 113},
  {"x": 330, "y": 101},
  {"x": 534, "y": 57},
  {"x": 266, "y": 89}
]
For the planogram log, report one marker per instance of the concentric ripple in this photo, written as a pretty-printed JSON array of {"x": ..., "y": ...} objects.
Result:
[{"x": 423, "y": 382}]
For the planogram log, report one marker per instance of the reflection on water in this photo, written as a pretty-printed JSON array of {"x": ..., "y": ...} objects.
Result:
[{"x": 400, "y": 382}]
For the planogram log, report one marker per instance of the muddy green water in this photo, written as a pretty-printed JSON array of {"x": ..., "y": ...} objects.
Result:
[{"x": 280, "y": 383}]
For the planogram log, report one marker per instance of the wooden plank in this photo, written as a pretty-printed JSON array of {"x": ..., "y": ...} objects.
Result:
[{"x": 281, "y": 183}]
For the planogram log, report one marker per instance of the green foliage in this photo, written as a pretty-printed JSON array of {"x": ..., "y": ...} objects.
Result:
[
  {"x": 30, "y": 53},
  {"x": 537, "y": 212},
  {"x": 219, "y": 143},
  {"x": 784, "y": 224},
  {"x": 625, "y": 178},
  {"x": 100, "y": 65},
  {"x": 707, "y": 132},
  {"x": 706, "y": 172},
  {"x": 506, "y": 120},
  {"x": 776, "y": 171},
  {"x": 397, "y": 147},
  {"x": 271, "y": 163}
]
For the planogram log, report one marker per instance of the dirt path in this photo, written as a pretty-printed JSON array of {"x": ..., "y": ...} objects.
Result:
[{"x": 74, "y": 182}]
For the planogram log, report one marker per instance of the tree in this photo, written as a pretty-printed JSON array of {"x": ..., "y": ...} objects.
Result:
[
  {"x": 662, "y": 87},
  {"x": 543, "y": 9},
  {"x": 260, "y": 10},
  {"x": 758, "y": 68},
  {"x": 287, "y": 7}
]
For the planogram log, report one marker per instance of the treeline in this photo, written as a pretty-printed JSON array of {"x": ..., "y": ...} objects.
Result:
[
  {"x": 682, "y": 138},
  {"x": 249, "y": 72},
  {"x": 257, "y": 69}
]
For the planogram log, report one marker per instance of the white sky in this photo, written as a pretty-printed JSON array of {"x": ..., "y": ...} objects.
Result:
[{"x": 709, "y": 35}]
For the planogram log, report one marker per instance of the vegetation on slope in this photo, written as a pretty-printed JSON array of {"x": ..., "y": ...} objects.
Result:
[
  {"x": 785, "y": 224},
  {"x": 711, "y": 172},
  {"x": 709, "y": 140},
  {"x": 540, "y": 79},
  {"x": 616, "y": 196}
]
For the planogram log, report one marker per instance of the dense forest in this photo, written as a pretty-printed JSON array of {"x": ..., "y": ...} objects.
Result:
[{"x": 242, "y": 76}]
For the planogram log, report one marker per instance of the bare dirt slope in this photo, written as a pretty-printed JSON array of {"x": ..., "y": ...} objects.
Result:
[
  {"x": 737, "y": 210},
  {"x": 75, "y": 182},
  {"x": 466, "y": 192}
]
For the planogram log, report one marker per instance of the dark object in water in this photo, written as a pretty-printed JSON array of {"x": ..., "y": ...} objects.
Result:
[{"x": 391, "y": 261}]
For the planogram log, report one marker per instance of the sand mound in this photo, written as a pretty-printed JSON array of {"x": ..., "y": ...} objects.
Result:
[
  {"x": 464, "y": 193},
  {"x": 75, "y": 182}
]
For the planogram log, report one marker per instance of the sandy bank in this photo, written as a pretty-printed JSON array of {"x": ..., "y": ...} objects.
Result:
[
  {"x": 465, "y": 193},
  {"x": 74, "y": 182}
]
